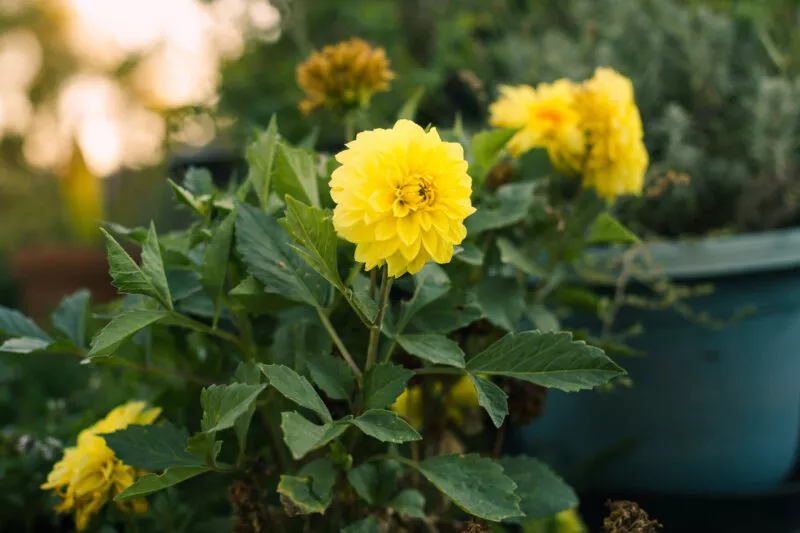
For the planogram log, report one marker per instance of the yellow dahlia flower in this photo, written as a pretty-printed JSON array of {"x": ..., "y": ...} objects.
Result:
[
  {"x": 343, "y": 76},
  {"x": 460, "y": 397},
  {"x": 547, "y": 118},
  {"x": 617, "y": 158},
  {"x": 401, "y": 195},
  {"x": 89, "y": 474}
]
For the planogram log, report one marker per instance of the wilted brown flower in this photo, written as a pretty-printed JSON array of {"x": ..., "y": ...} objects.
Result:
[
  {"x": 628, "y": 517},
  {"x": 343, "y": 76}
]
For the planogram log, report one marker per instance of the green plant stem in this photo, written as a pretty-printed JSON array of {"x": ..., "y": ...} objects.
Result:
[
  {"x": 439, "y": 370},
  {"x": 183, "y": 320},
  {"x": 349, "y": 127},
  {"x": 147, "y": 369},
  {"x": 390, "y": 457},
  {"x": 339, "y": 344},
  {"x": 375, "y": 329}
]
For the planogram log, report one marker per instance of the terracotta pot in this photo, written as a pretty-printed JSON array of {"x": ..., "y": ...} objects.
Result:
[{"x": 46, "y": 274}]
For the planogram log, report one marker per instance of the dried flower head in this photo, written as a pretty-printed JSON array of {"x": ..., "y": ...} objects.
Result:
[
  {"x": 628, "y": 517},
  {"x": 343, "y": 76},
  {"x": 90, "y": 475}
]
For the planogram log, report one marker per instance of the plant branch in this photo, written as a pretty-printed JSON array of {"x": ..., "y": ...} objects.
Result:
[
  {"x": 438, "y": 370},
  {"x": 375, "y": 328},
  {"x": 339, "y": 344}
]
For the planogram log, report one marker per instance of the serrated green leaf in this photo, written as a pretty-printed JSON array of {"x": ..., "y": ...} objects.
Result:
[
  {"x": 251, "y": 295},
  {"x": 224, "y": 404},
  {"x": 375, "y": 482},
  {"x": 454, "y": 311},
  {"x": 25, "y": 345},
  {"x": 485, "y": 150},
  {"x": 199, "y": 181},
  {"x": 153, "y": 267},
  {"x": 121, "y": 328},
  {"x": 126, "y": 275},
  {"x": 248, "y": 373},
  {"x": 295, "y": 388},
  {"x": 215, "y": 261},
  {"x": 470, "y": 254},
  {"x": 361, "y": 298},
  {"x": 511, "y": 255},
  {"x": 606, "y": 230},
  {"x": 492, "y": 398},
  {"x": 476, "y": 484},
  {"x": 502, "y": 301},
  {"x": 332, "y": 375},
  {"x": 296, "y": 175},
  {"x": 298, "y": 336},
  {"x": 311, "y": 489},
  {"x": 386, "y": 426},
  {"x": 150, "y": 483},
  {"x": 436, "y": 349},
  {"x": 261, "y": 159},
  {"x": 151, "y": 447},
  {"x": 368, "y": 525},
  {"x": 510, "y": 204},
  {"x": 542, "y": 492},
  {"x": 265, "y": 248},
  {"x": 313, "y": 230},
  {"x": 137, "y": 234},
  {"x": 72, "y": 316},
  {"x": 383, "y": 383},
  {"x": 409, "y": 503},
  {"x": 204, "y": 445},
  {"x": 546, "y": 359},
  {"x": 431, "y": 283},
  {"x": 542, "y": 318},
  {"x": 14, "y": 323},
  {"x": 303, "y": 436},
  {"x": 187, "y": 198}
]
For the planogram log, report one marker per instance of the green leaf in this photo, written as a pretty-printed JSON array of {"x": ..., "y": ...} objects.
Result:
[
  {"x": 510, "y": 204},
  {"x": 204, "y": 445},
  {"x": 409, "y": 109},
  {"x": 296, "y": 388},
  {"x": 502, "y": 301},
  {"x": 409, "y": 503},
  {"x": 303, "y": 436},
  {"x": 368, "y": 525},
  {"x": 25, "y": 345},
  {"x": 313, "y": 230},
  {"x": 453, "y": 311},
  {"x": 606, "y": 229},
  {"x": 264, "y": 247},
  {"x": 476, "y": 484},
  {"x": 311, "y": 489},
  {"x": 383, "y": 383},
  {"x": 492, "y": 398},
  {"x": 14, "y": 323},
  {"x": 361, "y": 297},
  {"x": 296, "y": 175},
  {"x": 215, "y": 261},
  {"x": 137, "y": 234},
  {"x": 375, "y": 482},
  {"x": 485, "y": 150},
  {"x": 121, "y": 328},
  {"x": 436, "y": 349},
  {"x": 332, "y": 375},
  {"x": 199, "y": 181},
  {"x": 248, "y": 373},
  {"x": 150, "y": 483},
  {"x": 431, "y": 283},
  {"x": 546, "y": 359},
  {"x": 187, "y": 198},
  {"x": 535, "y": 164},
  {"x": 511, "y": 255},
  {"x": 470, "y": 254},
  {"x": 126, "y": 275},
  {"x": 224, "y": 404},
  {"x": 72, "y": 316},
  {"x": 386, "y": 426},
  {"x": 542, "y": 318},
  {"x": 152, "y": 447},
  {"x": 260, "y": 158},
  {"x": 543, "y": 493},
  {"x": 250, "y": 294},
  {"x": 153, "y": 266}
]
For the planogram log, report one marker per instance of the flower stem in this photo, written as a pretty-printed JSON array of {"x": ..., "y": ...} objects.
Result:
[
  {"x": 438, "y": 370},
  {"x": 339, "y": 344},
  {"x": 349, "y": 127},
  {"x": 375, "y": 329}
]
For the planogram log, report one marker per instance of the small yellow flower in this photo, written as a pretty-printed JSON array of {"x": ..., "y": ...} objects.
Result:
[
  {"x": 547, "y": 118},
  {"x": 343, "y": 76},
  {"x": 401, "y": 195},
  {"x": 461, "y": 396},
  {"x": 89, "y": 474},
  {"x": 617, "y": 158}
]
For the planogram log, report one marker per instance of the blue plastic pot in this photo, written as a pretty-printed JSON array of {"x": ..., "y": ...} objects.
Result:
[{"x": 711, "y": 411}]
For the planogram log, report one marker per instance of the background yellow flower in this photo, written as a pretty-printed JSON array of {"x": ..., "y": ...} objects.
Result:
[
  {"x": 401, "y": 195},
  {"x": 460, "y": 397},
  {"x": 89, "y": 474}
]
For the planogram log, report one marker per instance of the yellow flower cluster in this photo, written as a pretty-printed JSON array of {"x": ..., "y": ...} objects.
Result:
[
  {"x": 593, "y": 129},
  {"x": 401, "y": 196},
  {"x": 460, "y": 397},
  {"x": 89, "y": 474},
  {"x": 343, "y": 76}
]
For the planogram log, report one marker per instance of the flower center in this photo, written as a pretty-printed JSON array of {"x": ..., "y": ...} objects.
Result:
[
  {"x": 417, "y": 192},
  {"x": 550, "y": 115}
]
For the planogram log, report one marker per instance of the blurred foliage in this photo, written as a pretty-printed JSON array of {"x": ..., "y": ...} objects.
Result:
[{"x": 717, "y": 83}]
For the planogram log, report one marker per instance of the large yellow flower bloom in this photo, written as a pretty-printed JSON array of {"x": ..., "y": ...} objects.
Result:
[
  {"x": 460, "y": 397},
  {"x": 89, "y": 474},
  {"x": 401, "y": 195},
  {"x": 343, "y": 76},
  {"x": 617, "y": 158},
  {"x": 547, "y": 118}
]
